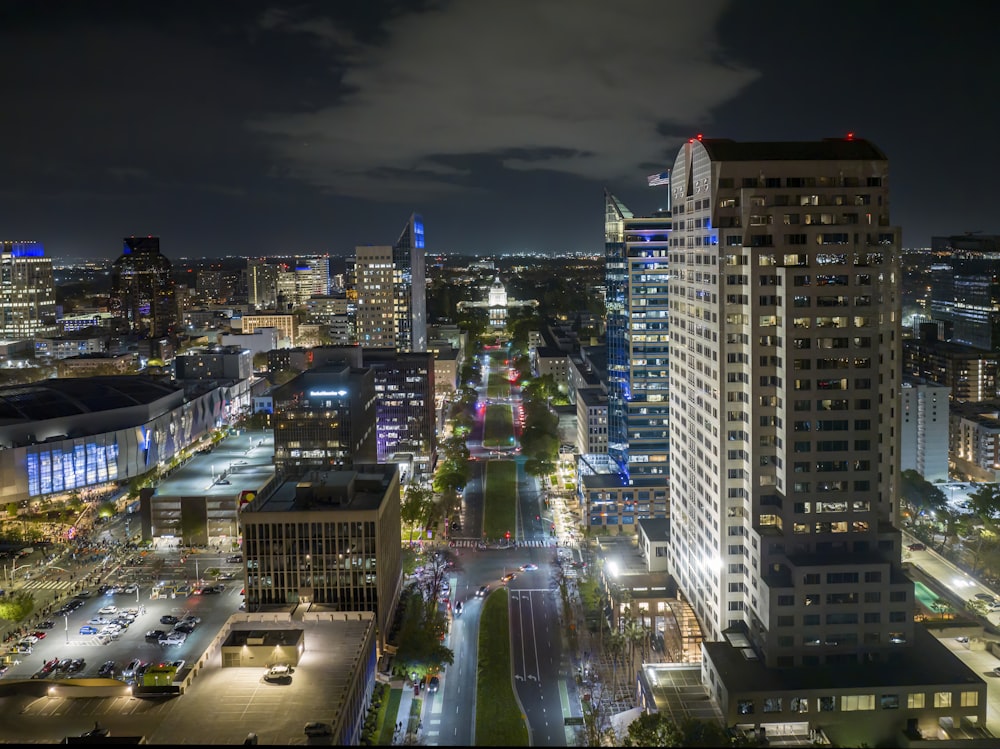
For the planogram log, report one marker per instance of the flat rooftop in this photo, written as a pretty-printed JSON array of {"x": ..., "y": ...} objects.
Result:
[
  {"x": 265, "y": 637},
  {"x": 926, "y": 662},
  {"x": 245, "y": 461},
  {"x": 328, "y": 490}
]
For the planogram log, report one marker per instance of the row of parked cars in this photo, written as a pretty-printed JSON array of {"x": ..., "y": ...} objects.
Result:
[
  {"x": 176, "y": 636},
  {"x": 110, "y": 623}
]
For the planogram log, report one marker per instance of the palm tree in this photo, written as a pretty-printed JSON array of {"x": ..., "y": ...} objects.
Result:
[{"x": 634, "y": 636}]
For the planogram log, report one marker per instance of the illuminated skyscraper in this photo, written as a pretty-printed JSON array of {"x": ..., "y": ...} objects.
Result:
[
  {"x": 784, "y": 440},
  {"x": 392, "y": 292},
  {"x": 636, "y": 277},
  {"x": 27, "y": 291},
  {"x": 142, "y": 289}
]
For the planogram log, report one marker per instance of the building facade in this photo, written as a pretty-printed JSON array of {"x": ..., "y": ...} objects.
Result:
[
  {"x": 786, "y": 330},
  {"x": 262, "y": 285},
  {"x": 391, "y": 288},
  {"x": 218, "y": 363},
  {"x": 324, "y": 419},
  {"x": 923, "y": 433},
  {"x": 638, "y": 338},
  {"x": 404, "y": 403},
  {"x": 27, "y": 291},
  {"x": 142, "y": 289},
  {"x": 785, "y": 397},
  {"x": 330, "y": 540}
]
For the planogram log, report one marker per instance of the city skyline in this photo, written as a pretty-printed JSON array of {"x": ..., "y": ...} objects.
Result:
[{"x": 255, "y": 129}]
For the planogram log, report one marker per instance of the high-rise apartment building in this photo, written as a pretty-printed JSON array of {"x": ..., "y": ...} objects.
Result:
[
  {"x": 262, "y": 285},
  {"x": 391, "y": 288},
  {"x": 142, "y": 289},
  {"x": 303, "y": 278},
  {"x": 784, "y": 434},
  {"x": 637, "y": 275},
  {"x": 27, "y": 291},
  {"x": 784, "y": 387}
]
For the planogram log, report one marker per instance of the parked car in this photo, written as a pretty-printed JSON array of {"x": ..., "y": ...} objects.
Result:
[
  {"x": 47, "y": 624},
  {"x": 434, "y": 684},
  {"x": 77, "y": 665},
  {"x": 155, "y": 635},
  {"x": 316, "y": 728},
  {"x": 235, "y": 559},
  {"x": 107, "y": 669},
  {"x": 108, "y": 610},
  {"x": 88, "y": 629},
  {"x": 168, "y": 619},
  {"x": 38, "y": 635},
  {"x": 280, "y": 672},
  {"x": 185, "y": 628},
  {"x": 986, "y": 597},
  {"x": 83, "y": 594},
  {"x": 63, "y": 665},
  {"x": 916, "y": 547},
  {"x": 174, "y": 638},
  {"x": 129, "y": 671}
]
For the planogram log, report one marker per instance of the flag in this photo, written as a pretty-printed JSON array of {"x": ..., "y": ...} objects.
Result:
[{"x": 663, "y": 178}]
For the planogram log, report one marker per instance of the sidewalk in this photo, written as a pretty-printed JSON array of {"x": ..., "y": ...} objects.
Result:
[{"x": 410, "y": 728}]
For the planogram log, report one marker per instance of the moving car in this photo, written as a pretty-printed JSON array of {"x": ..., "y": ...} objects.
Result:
[
  {"x": 529, "y": 567},
  {"x": 985, "y": 597},
  {"x": 916, "y": 547},
  {"x": 482, "y": 591},
  {"x": 434, "y": 684},
  {"x": 155, "y": 635},
  {"x": 508, "y": 577},
  {"x": 168, "y": 619}
]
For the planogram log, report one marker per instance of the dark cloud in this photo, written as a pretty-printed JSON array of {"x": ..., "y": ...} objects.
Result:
[{"x": 578, "y": 87}]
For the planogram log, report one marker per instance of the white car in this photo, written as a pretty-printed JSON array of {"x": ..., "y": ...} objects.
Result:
[
  {"x": 174, "y": 638},
  {"x": 108, "y": 610}
]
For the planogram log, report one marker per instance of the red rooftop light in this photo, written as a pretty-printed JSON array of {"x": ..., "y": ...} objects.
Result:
[
  {"x": 699, "y": 136},
  {"x": 850, "y": 136}
]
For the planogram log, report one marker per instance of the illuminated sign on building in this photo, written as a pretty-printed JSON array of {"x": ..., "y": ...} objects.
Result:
[{"x": 325, "y": 393}]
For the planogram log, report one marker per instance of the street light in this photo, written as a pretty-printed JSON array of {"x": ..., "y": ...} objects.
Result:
[{"x": 66, "y": 621}]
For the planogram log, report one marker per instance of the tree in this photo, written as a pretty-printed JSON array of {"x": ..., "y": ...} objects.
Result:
[
  {"x": 421, "y": 649},
  {"x": 985, "y": 503},
  {"x": 657, "y": 729},
  {"x": 16, "y": 607},
  {"x": 920, "y": 494},
  {"x": 416, "y": 506}
]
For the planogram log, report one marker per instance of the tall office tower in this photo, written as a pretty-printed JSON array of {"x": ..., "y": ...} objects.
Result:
[
  {"x": 27, "y": 291},
  {"x": 965, "y": 289},
  {"x": 324, "y": 420},
  {"x": 391, "y": 287},
  {"x": 375, "y": 321},
  {"x": 637, "y": 275},
  {"x": 410, "y": 286},
  {"x": 142, "y": 290},
  {"x": 262, "y": 284},
  {"x": 785, "y": 391}
]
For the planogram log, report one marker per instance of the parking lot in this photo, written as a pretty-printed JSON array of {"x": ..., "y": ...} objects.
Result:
[
  {"x": 221, "y": 706},
  {"x": 64, "y": 640}
]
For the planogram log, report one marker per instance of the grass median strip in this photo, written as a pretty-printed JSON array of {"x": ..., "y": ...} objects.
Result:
[
  {"x": 499, "y": 721},
  {"x": 500, "y": 513},
  {"x": 498, "y": 431}
]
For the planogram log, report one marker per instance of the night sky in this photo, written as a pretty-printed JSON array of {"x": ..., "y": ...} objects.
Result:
[{"x": 250, "y": 128}]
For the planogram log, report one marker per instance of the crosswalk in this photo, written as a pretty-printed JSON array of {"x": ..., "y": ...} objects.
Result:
[
  {"x": 471, "y": 543},
  {"x": 48, "y": 585}
]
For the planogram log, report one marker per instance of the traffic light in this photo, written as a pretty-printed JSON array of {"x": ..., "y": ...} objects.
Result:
[{"x": 507, "y": 535}]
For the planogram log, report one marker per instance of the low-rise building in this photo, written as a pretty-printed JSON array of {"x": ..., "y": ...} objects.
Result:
[{"x": 328, "y": 542}]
